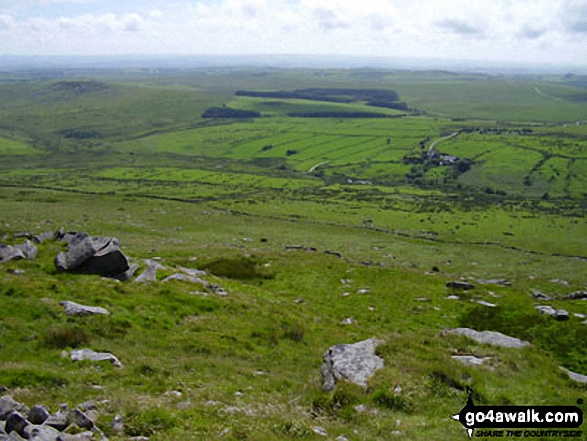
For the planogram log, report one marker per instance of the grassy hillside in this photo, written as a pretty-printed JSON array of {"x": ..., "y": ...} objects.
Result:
[{"x": 305, "y": 222}]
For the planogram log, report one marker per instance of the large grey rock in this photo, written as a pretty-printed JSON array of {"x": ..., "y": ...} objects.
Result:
[
  {"x": 16, "y": 422},
  {"x": 489, "y": 337},
  {"x": 8, "y": 252},
  {"x": 40, "y": 238},
  {"x": 60, "y": 419},
  {"x": 93, "y": 255},
  {"x": 150, "y": 273},
  {"x": 8, "y": 405},
  {"x": 28, "y": 249},
  {"x": 72, "y": 308},
  {"x": 88, "y": 354},
  {"x": 351, "y": 362},
  {"x": 38, "y": 414},
  {"x": 128, "y": 274},
  {"x": 79, "y": 418},
  {"x": 42, "y": 433}
]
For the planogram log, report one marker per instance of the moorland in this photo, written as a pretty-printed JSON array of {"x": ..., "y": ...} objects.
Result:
[{"x": 312, "y": 196}]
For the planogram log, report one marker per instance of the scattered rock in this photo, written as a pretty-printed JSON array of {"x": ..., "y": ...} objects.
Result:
[
  {"x": 28, "y": 249},
  {"x": 501, "y": 282},
  {"x": 538, "y": 295},
  {"x": 88, "y": 354},
  {"x": 484, "y": 303},
  {"x": 38, "y": 414},
  {"x": 559, "y": 314},
  {"x": 320, "y": 430},
  {"x": 72, "y": 308},
  {"x": 453, "y": 297},
  {"x": 351, "y": 362},
  {"x": 185, "y": 278},
  {"x": 42, "y": 433},
  {"x": 8, "y": 252},
  {"x": 193, "y": 272},
  {"x": 217, "y": 290},
  {"x": 93, "y": 255},
  {"x": 560, "y": 282},
  {"x": 574, "y": 376},
  {"x": 342, "y": 438},
  {"x": 334, "y": 253},
  {"x": 489, "y": 337},
  {"x": 16, "y": 422},
  {"x": 40, "y": 238},
  {"x": 8, "y": 405},
  {"x": 457, "y": 284},
  {"x": 363, "y": 291},
  {"x": 470, "y": 360},
  {"x": 299, "y": 301},
  {"x": 117, "y": 424},
  {"x": 577, "y": 295},
  {"x": 150, "y": 273},
  {"x": 348, "y": 321},
  {"x": 128, "y": 274}
]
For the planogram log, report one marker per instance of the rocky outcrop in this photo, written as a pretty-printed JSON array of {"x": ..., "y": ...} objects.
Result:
[
  {"x": 93, "y": 255},
  {"x": 351, "y": 362},
  {"x": 488, "y": 337},
  {"x": 40, "y": 425},
  {"x": 72, "y": 308},
  {"x": 88, "y": 354}
]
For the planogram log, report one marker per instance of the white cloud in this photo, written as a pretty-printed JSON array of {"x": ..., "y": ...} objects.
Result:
[{"x": 532, "y": 30}]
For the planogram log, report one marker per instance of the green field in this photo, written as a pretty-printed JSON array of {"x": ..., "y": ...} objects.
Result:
[{"x": 484, "y": 179}]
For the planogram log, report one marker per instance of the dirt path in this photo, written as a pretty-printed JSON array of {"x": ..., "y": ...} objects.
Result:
[
  {"x": 444, "y": 138},
  {"x": 314, "y": 167}
]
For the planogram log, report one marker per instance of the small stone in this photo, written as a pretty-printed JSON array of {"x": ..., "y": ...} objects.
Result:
[
  {"x": 538, "y": 295},
  {"x": 320, "y": 430},
  {"x": 363, "y": 291},
  {"x": 361, "y": 408},
  {"x": 457, "y": 284},
  {"x": 574, "y": 376},
  {"x": 348, "y": 321},
  {"x": 72, "y": 308},
  {"x": 470, "y": 360},
  {"x": 484, "y": 303},
  {"x": 453, "y": 298},
  {"x": 173, "y": 393},
  {"x": 299, "y": 301},
  {"x": 342, "y": 438}
]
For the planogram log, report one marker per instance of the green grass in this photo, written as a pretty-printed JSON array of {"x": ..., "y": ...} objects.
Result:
[{"x": 216, "y": 197}]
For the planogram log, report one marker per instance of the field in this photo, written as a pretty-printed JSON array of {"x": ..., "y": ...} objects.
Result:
[{"x": 305, "y": 221}]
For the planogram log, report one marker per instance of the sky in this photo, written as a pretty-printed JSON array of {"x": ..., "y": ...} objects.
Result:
[{"x": 506, "y": 31}]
